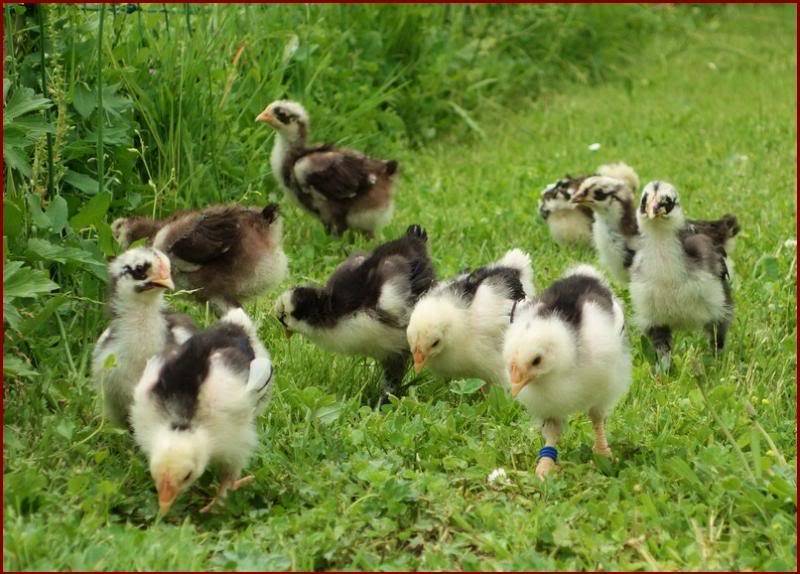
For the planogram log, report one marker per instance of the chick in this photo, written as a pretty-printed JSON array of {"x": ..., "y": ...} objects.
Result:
[
  {"x": 227, "y": 253},
  {"x": 457, "y": 328},
  {"x": 566, "y": 352},
  {"x": 568, "y": 223},
  {"x": 364, "y": 307},
  {"x": 342, "y": 188},
  {"x": 140, "y": 327},
  {"x": 610, "y": 195},
  {"x": 680, "y": 277},
  {"x": 197, "y": 405}
]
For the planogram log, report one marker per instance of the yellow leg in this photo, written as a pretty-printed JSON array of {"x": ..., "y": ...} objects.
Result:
[
  {"x": 551, "y": 431},
  {"x": 599, "y": 425},
  {"x": 225, "y": 485}
]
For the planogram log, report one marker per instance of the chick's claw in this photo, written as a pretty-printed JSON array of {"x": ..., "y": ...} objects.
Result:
[
  {"x": 544, "y": 467},
  {"x": 224, "y": 487}
]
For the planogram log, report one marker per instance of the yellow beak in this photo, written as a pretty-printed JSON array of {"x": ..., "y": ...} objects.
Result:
[
  {"x": 163, "y": 281},
  {"x": 266, "y": 117},
  {"x": 652, "y": 209},
  {"x": 518, "y": 382},
  {"x": 167, "y": 493},
  {"x": 419, "y": 360}
]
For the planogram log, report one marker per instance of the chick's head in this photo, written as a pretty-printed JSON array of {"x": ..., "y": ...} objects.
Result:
[
  {"x": 430, "y": 328},
  {"x": 179, "y": 458},
  {"x": 536, "y": 350},
  {"x": 140, "y": 274}
]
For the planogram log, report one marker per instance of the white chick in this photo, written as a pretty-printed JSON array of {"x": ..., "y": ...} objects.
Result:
[
  {"x": 680, "y": 277},
  {"x": 457, "y": 328},
  {"x": 198, "y": 404},
  {"x": 566, "y": 352}
]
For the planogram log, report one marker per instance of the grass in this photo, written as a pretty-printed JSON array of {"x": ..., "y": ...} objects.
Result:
[{"x": 702, "y": 480}]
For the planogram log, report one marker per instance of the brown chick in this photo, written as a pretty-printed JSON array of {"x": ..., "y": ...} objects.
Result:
[
  {"x": 342, "y": 188},
  {"x": 225, "y": 253}
]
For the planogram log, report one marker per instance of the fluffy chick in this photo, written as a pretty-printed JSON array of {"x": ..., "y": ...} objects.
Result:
[
  {"x": 197, "y": 405},
  {"x": 341, "y": 187},
  {"x": 226, "y": 253},
  {"x": 140, "y": 327},
  {"x": 680, "y": 277},
  {"x": 364, "y": 307},
  {"x": 610, "y": 195},
  {"x": 568, "y": 222},
  {"x": 566, "y": 352},
  {"x": 457, "y": 328}
]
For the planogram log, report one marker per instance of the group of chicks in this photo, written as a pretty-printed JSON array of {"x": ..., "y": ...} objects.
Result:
[
  {"x": 678, "y": 270},
  {"x": 191, "y": 397}
]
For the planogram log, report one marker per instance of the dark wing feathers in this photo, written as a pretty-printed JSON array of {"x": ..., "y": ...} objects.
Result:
[
  {"x": 209, "y": 237},
  {"x": 567, "y": 296},
  {"x": 507, "y": 277},
  {"x": 357, "y": 283},
  {"x": 185, "y": 370},
  {"x": 338, "y": 175},
  {"x": 720, "y": 230},
  {"x": 704, "y": 252}
]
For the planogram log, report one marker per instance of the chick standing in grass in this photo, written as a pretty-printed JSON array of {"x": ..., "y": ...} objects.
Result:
[
  {"x": 197, "y": 405},
  {"x": 140, "y": 327},
  {"x": 610, "y": 195},
  {"x": 566, "y": 352},
  {"x": 364, "y": 307},
  {"x": 568, "y": 223},
  {"x": 680, "y": 278},
  {"x": 457, "y": 328},
  {"x": 342, "y": 188},
  {"x": 227, "y": 253}
]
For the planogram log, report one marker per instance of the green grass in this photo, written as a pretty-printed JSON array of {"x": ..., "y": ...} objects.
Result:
[{"x": 698, "y": 484}]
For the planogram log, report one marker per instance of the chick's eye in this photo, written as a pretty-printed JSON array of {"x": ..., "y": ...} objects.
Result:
[
  {"x": 436, "y": 343},
  {"x": 536, "y": 361},
  {"x": 188, "y": 476},
  {"x": 140, "y": 272}
]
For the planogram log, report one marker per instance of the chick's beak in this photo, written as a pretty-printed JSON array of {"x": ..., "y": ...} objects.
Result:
[
  {"x": 266, "y": 117},
  {"x": 580, "y": 198},
  {"x": 518, "y": 380},
  {"x": 167, "y": 493},
  {"x": 653, "y": 209},
  {"x": 163, "y": 281},
  {"x": 419, "y": 360}
]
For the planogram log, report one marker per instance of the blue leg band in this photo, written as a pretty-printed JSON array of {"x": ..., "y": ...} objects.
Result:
[{"x": 548, "y": 452}]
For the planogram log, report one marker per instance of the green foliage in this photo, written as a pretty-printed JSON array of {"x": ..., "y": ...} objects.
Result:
[{"x": 705, "y": 467}]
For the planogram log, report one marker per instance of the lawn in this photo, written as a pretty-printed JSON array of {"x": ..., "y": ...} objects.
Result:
[{"x": 705, "y": 456}]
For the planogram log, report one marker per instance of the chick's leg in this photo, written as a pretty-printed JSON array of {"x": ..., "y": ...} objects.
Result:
[
  {"x": 551, "y": 431},
  {"x": 661, "y": 336},
  {"x": 394, "y": 369},
  {"x": 717, "y": 333},
  {"x": 228, "y": 482},
  {"x": 598, "y": 419}
]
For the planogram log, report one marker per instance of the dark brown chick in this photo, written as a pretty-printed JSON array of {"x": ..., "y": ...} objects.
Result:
[{"x": 342, "y": 188}]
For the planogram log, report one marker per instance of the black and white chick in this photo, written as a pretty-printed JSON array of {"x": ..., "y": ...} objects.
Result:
[
  {"x": 680, "y": 277},
  {"x": 457, "y": 328},
  {"x": 364, "y": 307},
  {"x": 611, "y": 196},
  {"x": 225, "y": 253},
  {"x": 197, "y": 405},
  {"x": 343, "y": 188},
  {"x": 566, "y": 352},
  {"x": 568, "y": 222},
  {"x": 140, "y": 327}
]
